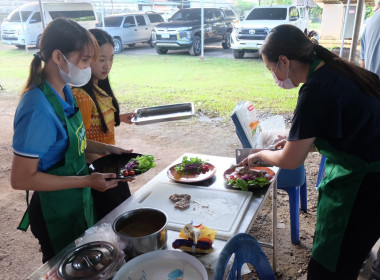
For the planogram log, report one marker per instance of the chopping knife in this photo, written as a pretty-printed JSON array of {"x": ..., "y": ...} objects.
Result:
[{"x": 243, "y": 153}]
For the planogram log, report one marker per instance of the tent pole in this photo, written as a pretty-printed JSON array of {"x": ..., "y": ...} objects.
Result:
[
  {"x": 22, "y": 25},
  {"x": 202, "y": 30},
  {"x": 344, "y": 27},
  {"x": 355, "y": 38}
]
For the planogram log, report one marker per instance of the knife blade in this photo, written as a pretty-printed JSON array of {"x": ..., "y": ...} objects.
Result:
[{"x": 243, "y": 153}]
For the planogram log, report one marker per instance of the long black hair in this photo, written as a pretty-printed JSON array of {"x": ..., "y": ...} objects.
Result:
[
  {"x": 290, "y": 41},
  {"x": 103, "y": 38}
]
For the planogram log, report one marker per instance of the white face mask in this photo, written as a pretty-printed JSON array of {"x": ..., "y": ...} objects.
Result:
[
  {"x": 76, "y": 77},
  {"x": 286, "y": 84}
]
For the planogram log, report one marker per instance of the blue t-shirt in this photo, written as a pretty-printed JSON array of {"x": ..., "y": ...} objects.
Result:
[
  {"x": 38, "y": 131},
  {"x": 370, "y": 44}
]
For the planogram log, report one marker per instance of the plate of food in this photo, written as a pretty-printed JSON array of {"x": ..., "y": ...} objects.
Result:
[
  {"x": 244, "y": 178},
  {"x": 123, "y": 165},
  {"x": 191, "y": 170}
]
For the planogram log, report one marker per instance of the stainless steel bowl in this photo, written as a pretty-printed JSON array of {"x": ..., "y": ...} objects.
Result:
[{"x": 141, "y": 230}]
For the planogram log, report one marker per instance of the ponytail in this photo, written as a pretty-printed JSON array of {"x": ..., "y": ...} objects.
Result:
[
  {"x": 368, "y": 81},
  {"x": 36, "y": 73}
]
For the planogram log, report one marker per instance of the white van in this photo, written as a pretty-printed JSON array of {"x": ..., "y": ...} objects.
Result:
[{"x": 29, "y": 30}]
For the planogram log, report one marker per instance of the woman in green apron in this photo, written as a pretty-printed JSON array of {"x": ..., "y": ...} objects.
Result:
[
  {"x": 49, "y": 140},
  {"x": 337, "y": 112}
]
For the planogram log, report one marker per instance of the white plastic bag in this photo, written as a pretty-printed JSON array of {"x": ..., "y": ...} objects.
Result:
[
  {"x": 260, "y": 134},
  {"x": 272, "y": 131}
]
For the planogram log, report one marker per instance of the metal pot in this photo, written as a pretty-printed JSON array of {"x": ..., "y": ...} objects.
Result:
[
  {"x": 91, "y": 261},
  {"x": 141, "y": 230}
]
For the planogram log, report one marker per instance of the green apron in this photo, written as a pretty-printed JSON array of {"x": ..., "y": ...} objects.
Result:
[
  {"x": 67, "y": 213},
  {"x": 338, "y": 189}
]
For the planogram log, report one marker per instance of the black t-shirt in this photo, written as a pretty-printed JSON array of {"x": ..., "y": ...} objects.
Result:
[{"x": 334, "y": 108}]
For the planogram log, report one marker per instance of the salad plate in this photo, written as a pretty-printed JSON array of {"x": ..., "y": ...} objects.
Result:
[
  {"x": 118, "y": 164},
  {"x": 237, "y": 180},
  {"x": 191, "y": 170},
  {"x": 190, "y": 178}
]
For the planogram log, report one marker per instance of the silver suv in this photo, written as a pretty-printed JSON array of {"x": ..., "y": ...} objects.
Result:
[{"x": 131, "y": 28}]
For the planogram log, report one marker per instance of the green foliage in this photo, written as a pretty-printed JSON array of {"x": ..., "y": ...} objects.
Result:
[
  {"x": 214, "y": 85},
  {"x": 275, "y": 2},
  {"x": 242, "y": 6},
  {"x": 368, "y": 12},
  {"x": 315, "y": 14}
]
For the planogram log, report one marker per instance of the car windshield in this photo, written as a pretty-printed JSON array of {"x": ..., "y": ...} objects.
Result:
[
  {"x": 113, "y": 21},
  {"x": 186, "y": 15},
  {"x": 15, "y": 16},
  {"x": 229, "y": 13},
  {"x": 267, "y": 14}
]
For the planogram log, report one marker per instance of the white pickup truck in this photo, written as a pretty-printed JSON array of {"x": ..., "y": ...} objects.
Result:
[{"x": 249, "y": 34}]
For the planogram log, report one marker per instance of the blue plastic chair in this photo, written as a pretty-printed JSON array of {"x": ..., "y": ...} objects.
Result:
[
  {"x": 246, "y": 250},
  {"x": 294, "y": 183},
  {"x": 321, "y": 171}
]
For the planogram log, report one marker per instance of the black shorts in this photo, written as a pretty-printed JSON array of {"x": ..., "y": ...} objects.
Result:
[
  {"x": 38, "y": 227},
  {"x": 106, "y": 201}
]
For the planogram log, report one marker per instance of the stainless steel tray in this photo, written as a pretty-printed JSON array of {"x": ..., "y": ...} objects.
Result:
[{"x": 164, "y": 113}]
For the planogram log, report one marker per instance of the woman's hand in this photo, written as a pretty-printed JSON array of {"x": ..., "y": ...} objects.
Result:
[
  {"x": 280, "y": 144},
  {"x": 98, "y": 181},
  {"x": 127, "y": 118},
  {"x": 251, "y": 160}
]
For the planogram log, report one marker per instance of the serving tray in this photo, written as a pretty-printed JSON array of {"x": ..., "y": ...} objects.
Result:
[{"x": 163, "y": 113}]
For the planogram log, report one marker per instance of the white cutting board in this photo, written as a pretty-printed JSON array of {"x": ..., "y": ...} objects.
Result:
[{"x": 221, "y": 210}]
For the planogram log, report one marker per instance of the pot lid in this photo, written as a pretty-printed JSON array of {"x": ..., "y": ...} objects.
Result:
[{"x": 88, "y": 261}]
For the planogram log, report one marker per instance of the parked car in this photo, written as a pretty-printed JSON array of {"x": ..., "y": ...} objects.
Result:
[
  {"x": 28, "y": 30},
  {"x": 131, "y": 28},
  {"x": 183, "y": 31},
  {"x": 249, "y": 34}
]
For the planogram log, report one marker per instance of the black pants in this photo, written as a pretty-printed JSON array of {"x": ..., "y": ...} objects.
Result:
[
  {"x": 38, "y": 227},
  {"x": 106, "y": 201},
  {"x": 362, "y": 232}
]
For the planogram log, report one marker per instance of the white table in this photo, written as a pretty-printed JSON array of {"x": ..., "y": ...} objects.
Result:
[{"x": 217, "y": 182}]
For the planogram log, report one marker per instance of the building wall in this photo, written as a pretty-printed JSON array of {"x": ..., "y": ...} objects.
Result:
[{"x": 332, "y": 21}]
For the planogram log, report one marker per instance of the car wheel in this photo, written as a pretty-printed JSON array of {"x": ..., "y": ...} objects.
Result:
[
  {"x": 238, "y": 54},
  {"x": 20, "y": 46},
  {"x": 227, "y": 41},
  {"x": 196, "y": 46},
  {"x": 38, "y": 41},
  {"x": 131, "y": 45},
  {"x": 118, "y": 46},
  {"x": 150, "y": 42},
  {"x": 161, "y": 50}
]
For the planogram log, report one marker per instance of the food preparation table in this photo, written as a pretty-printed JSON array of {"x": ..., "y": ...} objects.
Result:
[{"x": 247, "y": 206}]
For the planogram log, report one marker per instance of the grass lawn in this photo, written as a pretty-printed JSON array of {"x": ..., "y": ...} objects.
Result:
[{"x": 214, "y": 85}]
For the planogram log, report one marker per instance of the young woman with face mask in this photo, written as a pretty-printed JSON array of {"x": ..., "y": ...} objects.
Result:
[
  {"x": 338, "y": 112},
  {"x": 101, "y": 113},
  {"x": 49, "y": 140}
]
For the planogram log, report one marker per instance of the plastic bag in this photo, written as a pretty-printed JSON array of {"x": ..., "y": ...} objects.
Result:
[
  {"x": 272, "y": 131},
  {"x": 104, "y": 232},
  {"x": 255, "y": 133}
]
